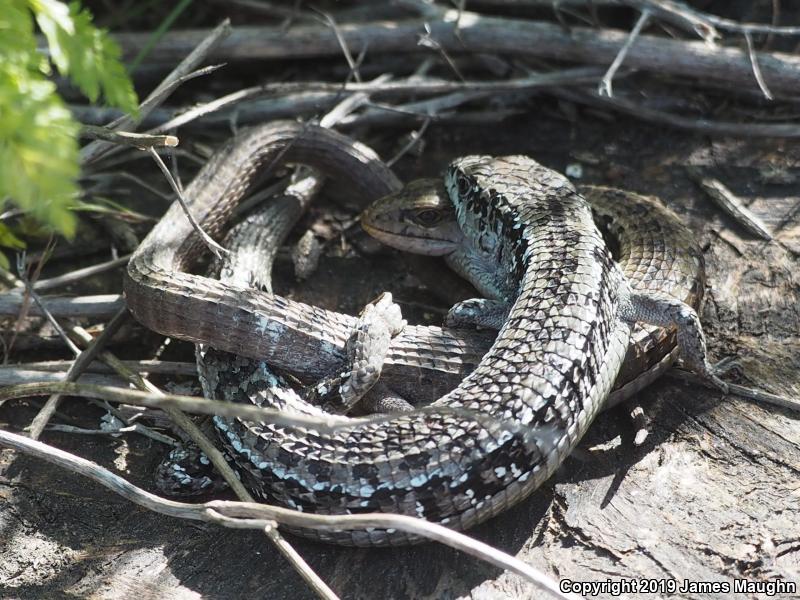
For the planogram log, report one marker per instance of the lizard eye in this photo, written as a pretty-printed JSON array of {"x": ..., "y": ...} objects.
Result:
[{"x": 427, "y": 217}]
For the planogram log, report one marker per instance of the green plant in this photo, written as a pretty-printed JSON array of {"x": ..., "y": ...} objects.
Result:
[{"x": 39, "y": 160}]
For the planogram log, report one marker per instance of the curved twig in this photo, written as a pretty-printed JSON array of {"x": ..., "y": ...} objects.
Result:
[{"x": 247, "y": 515}]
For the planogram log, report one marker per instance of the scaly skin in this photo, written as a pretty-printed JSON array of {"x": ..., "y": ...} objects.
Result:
[
  {"x": 541, "y": 384},
  {"x": 533, "y": 394},
  {"x": 656, "y": 252}
]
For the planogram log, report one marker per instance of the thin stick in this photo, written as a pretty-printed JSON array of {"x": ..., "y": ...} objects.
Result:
[
  {"x": 751, "y": 53},
  {"x": 216, "y": 458},
  {"x": 416, "y": 138},
  {"x": 16, "y": 375},
  {"x": 677, "y": 13},
  {"x": 707, "y": 126},
  {"x": 78, "y": 274},
  {"x": 379, "y": 88},
  {"x": 150, "y": 366},
  {"x": 215, "y": 248},
  {"x": 81, "y": 361},
  {"x": 738, "y": 390},
  {"x": 685, "y": 11},
  {"x": 323, "y": 423},
  {"x": 605, "y": 87},
  {"x": 191, "y": 59},
  {"x": 29, "y": 292},
  {"x": 186, "y": 424},
  {"x": 95, "y": 150},
  {"x": 328, "y": 20},
  {"x": 112, "y": 177},
  {"x": 127, "y": 138},
  {"x": 100, "y": 149},
  {"x": 730, "y": 203},
  {"x": 427, "y": 40},
  {"x": 135, "y": 428},
  {"x": 310, "y": 576},
  {"x": 244, "y": 515}
]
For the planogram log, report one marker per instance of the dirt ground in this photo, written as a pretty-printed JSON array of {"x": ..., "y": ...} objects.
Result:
[{"x": 712, "y": 495}]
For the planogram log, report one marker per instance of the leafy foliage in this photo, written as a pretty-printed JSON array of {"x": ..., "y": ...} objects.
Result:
[{"x": 39, "y": 160}]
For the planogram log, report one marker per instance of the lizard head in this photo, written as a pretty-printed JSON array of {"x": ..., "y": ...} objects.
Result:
[{"x": 419, "y": 218}]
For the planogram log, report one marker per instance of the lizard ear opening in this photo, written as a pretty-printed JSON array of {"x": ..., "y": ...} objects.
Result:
[{"x": 462, "y": 183}]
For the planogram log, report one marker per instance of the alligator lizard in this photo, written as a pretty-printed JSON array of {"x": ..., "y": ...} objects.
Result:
[{"x": 547, "y": 373}]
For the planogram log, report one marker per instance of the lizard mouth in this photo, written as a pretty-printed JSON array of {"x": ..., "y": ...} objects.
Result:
[{"x": 408, "y": 242}]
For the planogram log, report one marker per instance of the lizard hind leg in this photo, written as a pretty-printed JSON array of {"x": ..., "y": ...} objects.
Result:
[{"x": 663, "y": 310}]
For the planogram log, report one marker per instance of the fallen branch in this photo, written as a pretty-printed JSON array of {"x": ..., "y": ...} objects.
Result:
[
  {"x": 310, "y": 95},
  {"x": 478, "y": 33},
  {"x": 700, "y": 124},
  {"x": 101, "y": 306},
  {"x": 148, "y": 366}
]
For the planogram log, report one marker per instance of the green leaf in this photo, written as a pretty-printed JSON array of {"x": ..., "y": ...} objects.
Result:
[
  {"x": 39, "y": 160},
  {"x": 38, "y": 148},
  {"x": 85, "y": 53},
  {"x": 17, "y": 41},
  {"x": 8, "y": 239},
  {"x": 56, "y": 24}
]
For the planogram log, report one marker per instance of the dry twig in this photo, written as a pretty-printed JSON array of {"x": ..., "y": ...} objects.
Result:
[
  {"x": 730, "y": 203},
  {"x": 485, "y": 34},
  {"x": 244, "y": 515},
  {"x": 183, "y": 72},
  {"x": 141, "y": 141},
  {"x": 707, "y": 126},
  {"x": 81, "y": 361},
  {"x": 213, "y": 246},
  {"x": 605, "y": 87},
  {"x": 78, "y": 274},
  {"x": 100, "y": 306}
]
